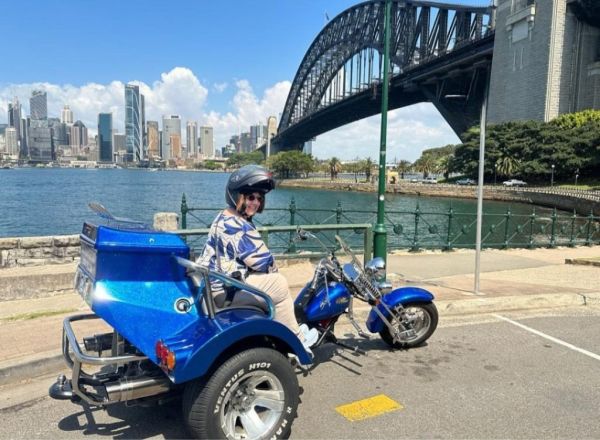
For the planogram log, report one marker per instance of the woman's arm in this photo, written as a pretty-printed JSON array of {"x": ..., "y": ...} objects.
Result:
[{"x": 254, "y": 253}]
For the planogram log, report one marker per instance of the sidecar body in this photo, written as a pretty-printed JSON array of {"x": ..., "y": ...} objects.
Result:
[{"x": 168, "y": 328}]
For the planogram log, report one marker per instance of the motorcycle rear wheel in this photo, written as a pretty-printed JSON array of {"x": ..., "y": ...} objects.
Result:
[{"x": 424, "y": 320}]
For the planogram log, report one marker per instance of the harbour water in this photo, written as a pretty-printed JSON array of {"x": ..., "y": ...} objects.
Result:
[{"x": 54, "y": 201}]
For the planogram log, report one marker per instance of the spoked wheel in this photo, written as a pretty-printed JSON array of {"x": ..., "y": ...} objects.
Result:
[
  {"x": 415, "y": 324},
  {"x": 253, "y": 395}
]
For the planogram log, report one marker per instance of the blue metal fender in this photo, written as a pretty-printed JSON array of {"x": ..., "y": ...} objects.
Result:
[
  {"x": 231, "y": 326},
  {"x": 403, "y": 295}
]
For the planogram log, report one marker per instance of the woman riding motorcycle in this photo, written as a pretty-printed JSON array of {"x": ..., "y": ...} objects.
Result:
[{"x": 235, "y": 247}]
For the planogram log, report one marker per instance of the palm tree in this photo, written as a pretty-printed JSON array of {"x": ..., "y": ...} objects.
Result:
[
  {"x": 444, "y": 165},
  {"x": 425, "y": 164},
  {"x": 507, "y": 165},
  {"x": 404, "y": 166},
  {"x": 335, "y": 166},
  {"x": 368, "y": 168}
]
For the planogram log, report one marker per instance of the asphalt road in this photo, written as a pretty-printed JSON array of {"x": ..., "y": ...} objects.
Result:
[{"x": 527, "y": 375}]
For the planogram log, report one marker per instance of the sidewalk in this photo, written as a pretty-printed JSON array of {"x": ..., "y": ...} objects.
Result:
[{"x": 31, "y": 329}]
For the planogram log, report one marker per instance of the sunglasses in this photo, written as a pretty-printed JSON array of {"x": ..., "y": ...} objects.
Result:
[{"x": 252, "y": 198}]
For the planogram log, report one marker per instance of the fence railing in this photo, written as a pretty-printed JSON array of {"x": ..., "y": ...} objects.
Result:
[
  {"x": 416, "y": 229},
  {"x": 293, "y": 248}
]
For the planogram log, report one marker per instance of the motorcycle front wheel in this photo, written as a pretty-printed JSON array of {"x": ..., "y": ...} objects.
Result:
[{"x": 415, "y": 322}]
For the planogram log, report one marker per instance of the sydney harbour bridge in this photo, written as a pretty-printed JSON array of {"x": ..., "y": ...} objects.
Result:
[{"x": 439, "y": 53}]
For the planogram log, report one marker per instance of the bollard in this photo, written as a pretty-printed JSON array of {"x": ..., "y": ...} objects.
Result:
[{"x": 184, "y": 210}]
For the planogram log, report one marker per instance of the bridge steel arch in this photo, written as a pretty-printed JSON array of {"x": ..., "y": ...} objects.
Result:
[{"x": 439, "y": 53}]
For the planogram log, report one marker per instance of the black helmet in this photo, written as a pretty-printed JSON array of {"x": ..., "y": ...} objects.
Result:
[{"x": 248, "y": 179}]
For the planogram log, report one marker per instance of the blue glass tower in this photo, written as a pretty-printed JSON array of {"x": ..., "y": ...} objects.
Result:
[
  {"x": 133, "y": 126},
  {"x": 105, "y": 142}
]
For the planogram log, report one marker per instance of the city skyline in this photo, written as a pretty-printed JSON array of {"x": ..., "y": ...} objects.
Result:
[{"x": 229, "y": 87}]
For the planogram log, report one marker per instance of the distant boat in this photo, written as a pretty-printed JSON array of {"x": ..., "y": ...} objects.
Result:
[{"x": 7, "y": 167}]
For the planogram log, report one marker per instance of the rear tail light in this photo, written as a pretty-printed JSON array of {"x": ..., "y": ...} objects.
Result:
[{"x": 166, "y": 358}]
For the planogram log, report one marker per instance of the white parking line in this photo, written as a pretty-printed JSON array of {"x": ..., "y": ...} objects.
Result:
[{"x": 550, "y": 338}]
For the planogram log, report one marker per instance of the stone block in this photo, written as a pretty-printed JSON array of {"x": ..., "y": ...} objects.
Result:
[
  {"x": 72, "y": 251},
  {"x": 35, "y": 242},
  {"x": 166, "y": 221},
  {"x": 8, "y": 243},
  {"x": 28, "y": 262},
  {"x": 66, "y": 240}
]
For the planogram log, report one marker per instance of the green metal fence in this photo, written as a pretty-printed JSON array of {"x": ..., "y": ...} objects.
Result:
[{"x": 413, "y": 230}]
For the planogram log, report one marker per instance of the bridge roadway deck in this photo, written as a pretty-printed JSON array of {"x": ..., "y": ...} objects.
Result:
[{"x": 30, "y": 329}]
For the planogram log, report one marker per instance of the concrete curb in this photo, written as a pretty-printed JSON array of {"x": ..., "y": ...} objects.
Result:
[{"x": 45, "y": 363}]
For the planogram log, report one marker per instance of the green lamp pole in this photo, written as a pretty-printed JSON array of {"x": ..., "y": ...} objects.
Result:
[{"x": 379, "y": 232}]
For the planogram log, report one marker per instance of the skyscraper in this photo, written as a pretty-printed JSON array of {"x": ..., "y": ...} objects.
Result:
[
  {"x": 271, "y": 131},
  {"x": 171, "y": 126},
  {"x": 66, "y": 116},
  {"x": 105, "y": 137},
  {"x": 14, "y": 120},
  {"x": 153, "y": 140},
  {"x": 206, "y": 141},
  {"x": 40, "y": 142},
  {"x": 79, "y": 136},
  {"x": 10, "y": 139},
  {"x": 38, "y": 105},
  {"x": 192, "y": 139},
  {"x": 133, "y": 124},
  {"x": 144, "y": 134}
]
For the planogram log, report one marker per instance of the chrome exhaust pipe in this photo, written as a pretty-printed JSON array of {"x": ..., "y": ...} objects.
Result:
[{"x": 136, "y": 388}]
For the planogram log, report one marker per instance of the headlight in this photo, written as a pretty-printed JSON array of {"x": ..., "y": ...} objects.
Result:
[{"x": 376, "y": 267}]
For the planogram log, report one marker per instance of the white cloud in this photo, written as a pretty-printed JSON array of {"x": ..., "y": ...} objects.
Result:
[
  {"x": 179, "y": 91},
  {"x": 220, "y": 87},
  {"x": 410, "y": 131}
]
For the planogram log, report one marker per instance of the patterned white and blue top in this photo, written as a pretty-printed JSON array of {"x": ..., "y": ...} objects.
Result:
[{"x": 240, "y": 247}]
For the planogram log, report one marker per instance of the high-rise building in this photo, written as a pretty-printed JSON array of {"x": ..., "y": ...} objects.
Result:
[
  {"x": 271, "y": 131},
  {"x": 133, "y": 124},
  {"x": 40, "y": 142},
  {"x": 15, "y": 121},
  {"x": 153, "y": 140},
  {"x": 105, "y": 137},
  {"x": 79, "y": 136},
  {"x": 175, "y": 142},
  {"x": 192, "y": 139},
  {"x": 38, "y": 105},
  {"x": 41, "y": 147},
  {"x": 207, "y": 142},
  {"x": 258, "y": 133},
  {"x": 66, "y": 116},
  {"x": 144, "y": 133},
  {"x": 245, "y": 142},
  {"x": 10, "y": 140},
  {"x": 171, "y": 126},
  {"x": 59, "y": 132}
]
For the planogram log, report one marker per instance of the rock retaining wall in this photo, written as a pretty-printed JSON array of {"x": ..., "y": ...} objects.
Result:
[{"x": 38, "y": 251}]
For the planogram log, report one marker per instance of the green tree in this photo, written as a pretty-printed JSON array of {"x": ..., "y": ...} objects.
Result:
[
  {"x": 291, "y": 164},
  {"x": 335, "y": 166},
  {"x": 237, "y": 160},
  {"x": 368, "y": 166},
  {"x": 403, "y": 167}
]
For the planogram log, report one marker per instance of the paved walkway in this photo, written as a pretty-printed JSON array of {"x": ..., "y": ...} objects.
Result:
[{"x": 30, "y": 329}]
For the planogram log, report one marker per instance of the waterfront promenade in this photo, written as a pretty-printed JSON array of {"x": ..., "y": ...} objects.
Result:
[{"x": 30, "y": 329}]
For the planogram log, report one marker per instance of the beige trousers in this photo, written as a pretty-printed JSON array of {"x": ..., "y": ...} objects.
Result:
[{"x": 276, "y": 286}]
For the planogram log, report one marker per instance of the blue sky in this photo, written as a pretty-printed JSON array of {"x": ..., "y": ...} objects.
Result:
[{"x": 235, "y": 60}]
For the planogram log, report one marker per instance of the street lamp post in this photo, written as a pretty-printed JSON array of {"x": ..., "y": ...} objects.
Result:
[
  {"x": 480, "y": 181},
  {"x": 495, "y": 172},
  {"x": 379, "y": 232},
  {"x": 552, "y": 176},
  {"x": 576, "y": 175}
]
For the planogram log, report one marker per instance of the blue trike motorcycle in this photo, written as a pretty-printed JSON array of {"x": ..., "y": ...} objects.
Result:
[{"x": 174, "y": 337}]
